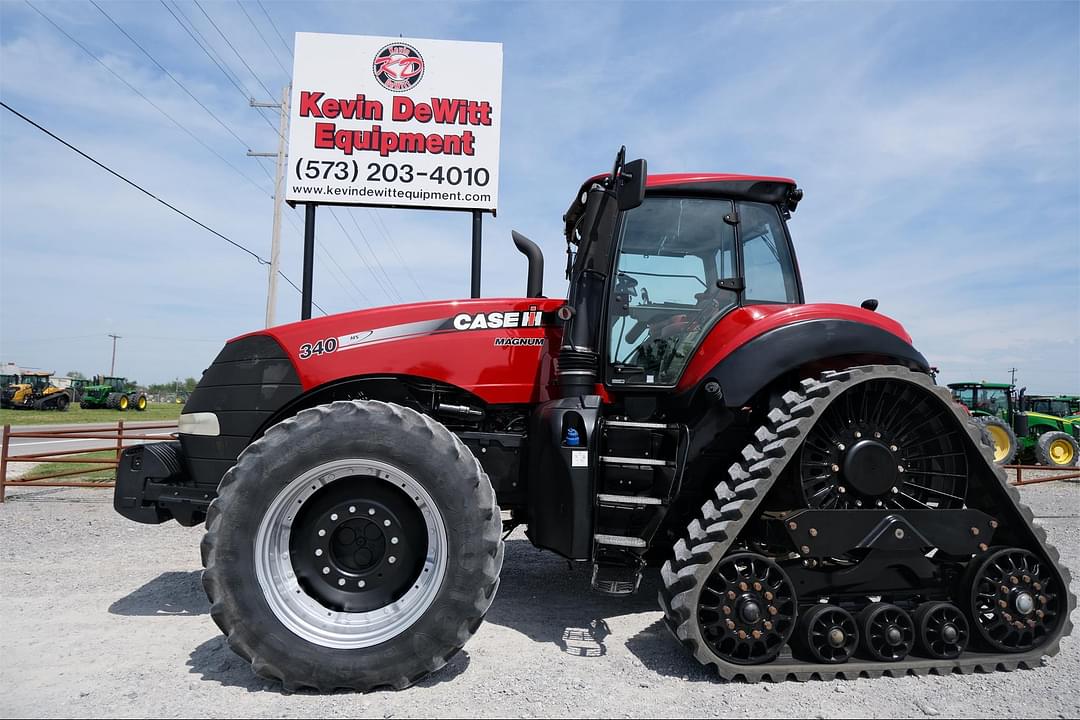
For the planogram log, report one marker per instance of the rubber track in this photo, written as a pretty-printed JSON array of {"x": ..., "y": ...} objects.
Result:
[{"x": 724, "y": 516}]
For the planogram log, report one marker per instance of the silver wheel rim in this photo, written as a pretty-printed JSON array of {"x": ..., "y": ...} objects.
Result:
[{"x": 307, "y": 617}]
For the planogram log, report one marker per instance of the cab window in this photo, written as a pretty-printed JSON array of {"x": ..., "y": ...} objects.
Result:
[{"x": 768, "y": 267}]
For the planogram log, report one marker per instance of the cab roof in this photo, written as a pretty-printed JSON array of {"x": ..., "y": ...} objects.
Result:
[{"x": 756, "y": 188}]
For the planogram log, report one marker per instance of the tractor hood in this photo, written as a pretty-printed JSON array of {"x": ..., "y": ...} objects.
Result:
[{"x": 494, "y": 346}]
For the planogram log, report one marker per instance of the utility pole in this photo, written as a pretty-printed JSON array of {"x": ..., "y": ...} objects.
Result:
[
  {"x": 112, "y": 367},
  {"x": 279, "y": 191},
  {"x": 1012, "y": 375}
]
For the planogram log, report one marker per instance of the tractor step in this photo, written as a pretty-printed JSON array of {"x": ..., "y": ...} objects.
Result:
[
  {"x": 615, "y": 579},
  {"x": 620, "y": 541},
  {"x": 627, "y": 500},
  {"x": 615, "y": 460},
  {"x": 639, "y": 425}
]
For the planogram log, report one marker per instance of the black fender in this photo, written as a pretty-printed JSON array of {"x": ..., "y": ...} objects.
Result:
[{"x": 786, "y": 349}]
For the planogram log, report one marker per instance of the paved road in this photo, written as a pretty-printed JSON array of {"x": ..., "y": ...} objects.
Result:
[{"x": 20, "y": 446}]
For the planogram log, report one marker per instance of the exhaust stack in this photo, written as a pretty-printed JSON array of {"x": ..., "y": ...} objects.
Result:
[{"x": 535, "y": 285}]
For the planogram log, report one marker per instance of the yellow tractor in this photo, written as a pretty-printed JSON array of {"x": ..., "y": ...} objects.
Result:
[{"x": 34, "y": 391}]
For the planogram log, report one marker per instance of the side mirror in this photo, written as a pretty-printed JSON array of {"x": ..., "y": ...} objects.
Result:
[{"x": 631, "y": 189}]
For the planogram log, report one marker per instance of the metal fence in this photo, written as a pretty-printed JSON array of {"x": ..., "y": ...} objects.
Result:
[
  {"x": 118, "y": 438},
  {"x": 1061, "y": 473}
]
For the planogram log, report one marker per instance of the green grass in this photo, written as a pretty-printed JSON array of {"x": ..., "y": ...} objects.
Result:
[
  {"x": 102, "y": 473},
  {"x": 75, "y": 414}
]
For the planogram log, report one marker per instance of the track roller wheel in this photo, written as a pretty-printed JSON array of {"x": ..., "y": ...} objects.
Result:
[
  {"x": 827, "y": 634},
  {"x": 887, "y": 632},
  {"x": 941, "y": 630},
  {"x": 1015, "y": 602},
  {"x": 747, "y": 609}
]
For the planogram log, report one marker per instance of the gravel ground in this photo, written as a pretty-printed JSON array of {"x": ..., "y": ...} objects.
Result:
[{"x": 103, "y": 617}]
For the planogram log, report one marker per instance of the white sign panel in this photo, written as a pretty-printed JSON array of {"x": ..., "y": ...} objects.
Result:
[{"x": 395, "y": 121}]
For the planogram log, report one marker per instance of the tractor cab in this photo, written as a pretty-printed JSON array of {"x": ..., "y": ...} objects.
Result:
[
  {"x": 672, "y": 255},
  {"x": 986, "y": 399}
]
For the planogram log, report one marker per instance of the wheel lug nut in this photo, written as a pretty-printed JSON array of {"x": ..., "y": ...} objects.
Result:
[
  {"x": 835, "y": 467},
  {"x": 768, "y": 625},
  {"x": 326, "y": 571},
  {"x": 1003, "y": 604},
  {"x": 769, "y": 596},
  {"x": 386, "y": 523},
  {"x": 893, "y": 448},
  {"x": 841, "y": 489},
  {"x": 743, "y": 586},
  {"x": 773, "y": 610},
  {"x": 805, "y": 549},
  {"x": 1014, "y": 580},
  {"x": 322, "y": 533},
  {"x": 393, "y": 541},
  {"x": 361, "y": 583},
  {"x": 756, "y": 634},
  {"x": 899, "y": 468},
  {"x": 841, "y": 447},
  {"x": 727, "y": 610},
  {"x": 858, "y": 434},
  {"x": 340, "y": 582},
  {"x": 1040, "y": 614},
  {"x": 813, "y": 532},
  {"x": 1037, "y": 586},
  {"x": 877, "y": 434},
  {"x": 1027, "y": 579},
  {"x": 352, "y": 508},
  {"x": 793, "y": 525},
  {"x": 757, "y": 586},
  {"x": 730, "y": 625},
  {"x": 984, "y": 547},
  {"x": 371, "y": 511},
  {"x": 318, "y": 552},
  {"x": 742, "y": 634},
  {"x": 391, "y": 559},
  {"x": 1007, "y": 616},
  {"x": 731, "y": 594},
  {"x": 334, "y": 516}
]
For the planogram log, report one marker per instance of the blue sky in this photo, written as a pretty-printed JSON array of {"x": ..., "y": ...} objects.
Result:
[{"x": 938, "y": 145}]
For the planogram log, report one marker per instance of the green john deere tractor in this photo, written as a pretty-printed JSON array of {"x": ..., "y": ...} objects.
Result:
[
  {"x": 115, "y": 393},
  {"x": 1016, "y": 431},
  {"x": 1065, "y": 406}
]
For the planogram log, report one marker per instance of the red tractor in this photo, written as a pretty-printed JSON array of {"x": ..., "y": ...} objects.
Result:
[{"x": 817, "y": 506}]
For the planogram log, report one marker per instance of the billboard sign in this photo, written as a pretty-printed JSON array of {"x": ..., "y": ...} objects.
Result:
[{"x": 395, "y": 122}]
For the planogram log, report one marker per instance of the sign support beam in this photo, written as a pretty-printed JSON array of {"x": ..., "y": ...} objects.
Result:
[
  {"x": 477, "y": 230},
  {"x": 309, "y": 260}
]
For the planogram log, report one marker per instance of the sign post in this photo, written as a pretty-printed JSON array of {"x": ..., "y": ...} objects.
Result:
[{"x": 396, "y": 123}]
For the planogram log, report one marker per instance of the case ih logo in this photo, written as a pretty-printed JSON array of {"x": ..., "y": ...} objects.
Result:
[{"x": 398, "y": 67}]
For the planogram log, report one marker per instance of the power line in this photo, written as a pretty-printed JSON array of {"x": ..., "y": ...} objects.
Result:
[
  {"x": 285, "y": 44},
  {"x": 205, "y": 46},
  {"x": 149, "y": 194},
  {"x": 152, "y": 104},
  {"x": 261, "y": 37},
  {"x": 385, "y": 232},
  {"x": 387, "y": 289},
  {"x": 233, "y": 48},
  {"x": 321, "y": 245},
  {"x": 375, "y": 255},
  {"x": 171, "y": 76}
]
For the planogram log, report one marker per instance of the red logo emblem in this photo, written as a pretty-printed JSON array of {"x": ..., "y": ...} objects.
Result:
[{"x": 398, "y": 67}]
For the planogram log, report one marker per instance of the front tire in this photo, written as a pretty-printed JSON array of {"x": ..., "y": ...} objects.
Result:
[{"x": 332, "y": 517}]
